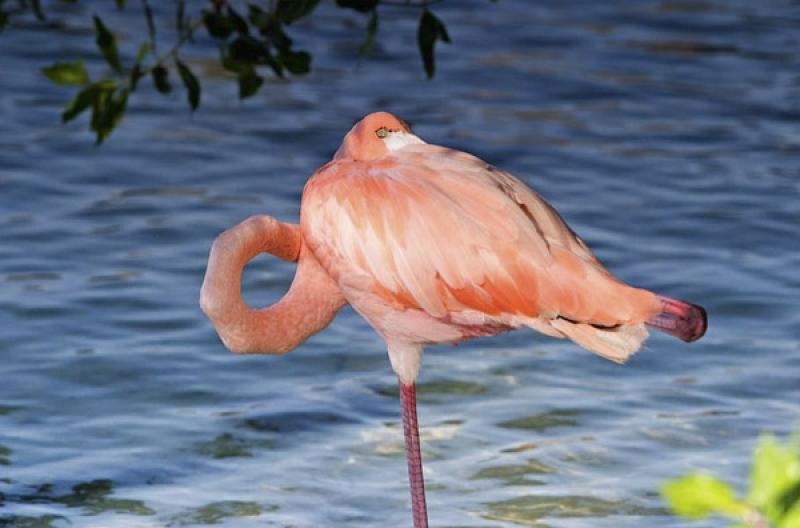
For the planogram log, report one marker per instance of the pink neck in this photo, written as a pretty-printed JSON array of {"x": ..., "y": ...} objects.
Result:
[{"x": 308, "y": 307}]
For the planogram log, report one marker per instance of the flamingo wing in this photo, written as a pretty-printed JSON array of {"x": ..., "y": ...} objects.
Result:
[{"x": 441, "y": 231}]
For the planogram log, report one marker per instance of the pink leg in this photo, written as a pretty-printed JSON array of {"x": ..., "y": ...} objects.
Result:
[{"x": 408, "y": 397}]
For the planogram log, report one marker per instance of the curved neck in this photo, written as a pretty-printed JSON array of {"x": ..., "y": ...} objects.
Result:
[{"x": 309, "y": 306}]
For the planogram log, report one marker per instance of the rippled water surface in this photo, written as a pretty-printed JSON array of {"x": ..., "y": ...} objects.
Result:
[{"x": 666, "y": 132}]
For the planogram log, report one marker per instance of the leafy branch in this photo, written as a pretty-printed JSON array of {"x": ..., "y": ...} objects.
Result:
[
  {"x": 251, "y": 40},
  {"x": 773, "y": 499}
]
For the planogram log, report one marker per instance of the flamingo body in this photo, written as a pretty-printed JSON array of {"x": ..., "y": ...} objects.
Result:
[{"x": 430, "y": 245}]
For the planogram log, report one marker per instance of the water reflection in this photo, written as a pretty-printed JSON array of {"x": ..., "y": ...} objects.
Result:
[
  {"x": 92, "y": 497},
  {"x": 217, "y": 512},
  {"x": 529, "y": 510},
  {"x": 543, "y": 421},
  {"x": 26, "y": 521},
  {"x": 227, "y": 445},
  {"x": 516, "y": 474}
]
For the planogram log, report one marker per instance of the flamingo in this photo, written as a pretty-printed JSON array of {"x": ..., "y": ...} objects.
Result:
[{"x": 430, "y": 245}]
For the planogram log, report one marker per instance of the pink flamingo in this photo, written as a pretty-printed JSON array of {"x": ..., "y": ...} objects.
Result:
[{"x": 430, "y": 245}]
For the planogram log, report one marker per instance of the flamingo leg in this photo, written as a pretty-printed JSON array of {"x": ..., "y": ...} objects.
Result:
[{"x": 408, "y": 398}]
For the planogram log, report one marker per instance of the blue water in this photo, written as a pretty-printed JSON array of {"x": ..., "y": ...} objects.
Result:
[{"x": 666, "y": 132}]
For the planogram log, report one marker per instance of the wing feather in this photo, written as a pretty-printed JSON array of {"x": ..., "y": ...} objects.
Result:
[{"x": 441, "y": 231}]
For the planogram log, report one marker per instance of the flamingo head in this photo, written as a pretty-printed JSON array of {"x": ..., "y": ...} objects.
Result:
[{"x": 375, "y": 136}]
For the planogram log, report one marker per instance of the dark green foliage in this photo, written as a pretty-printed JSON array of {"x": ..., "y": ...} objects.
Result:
[
  {"x": 249, "y": 43},
  {"x": 430, "y": 30},
  {"x": 67, "y": 73},
  {"x": 108, "y": 107},
  {"x": 161, "y": 79},
  {"x": 372, "y": 30},
  {"x": 108, "y": 102},
  {"x": 296, "y": 62},
  {"x": 107, "y": 44},
  {"x": 249, "y": 82},
  {"x": 218, "y": 24},
  {"x": 79, "y": 103},
  {"x": 36, "y": 5},
  {"x": 248, "y": 50},
  {"x": 148, "y": 16},
  {"x": 180, "y": 16},
  {"x": 365, "y": 6},
  {"x": 191, "y": 83},
  {"x": 137, "y": 72},
  {"x": 290, "y": 10},
  {"x": 239, "y": 23}
]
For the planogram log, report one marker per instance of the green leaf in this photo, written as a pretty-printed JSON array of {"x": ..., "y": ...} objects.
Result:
[
  {"x": 36, "y": 5},
  {"x": 161, "y": 79},
  {"x": 144, "y": 49},
  {"x": 217, "y": 24},
  {"x": 290, "y": 10},
  {"x": 791, "y": 497},
  {"x": 273, "y": 31},
  {"x": 69, "y": 73},
  {"x": 135, "y": 75},
  {"x": 258, "y": 17},
  {"x": 372, "y": 30},
  {"x": 444, "y": 36},
  {"x": 107, "y": 44},
  {"x": 107, "y": 112},
  {"x": 79, "y": 103},
  {"x": 699, "y": 495},
  {"x": 276, "y": 65},
  {"x": 231, "y": 64},
  {"x": 249, "y": 82},
  {"x": 137, "y": 72},
  {"x": 430, "y": 30},
  {"x": 180, "y": 16},
  {"x": 148, "y": 15},
  {"x": 296, "y": 62},
  {"x": 191, "y": 83},
  {"x": 102, "y": 99},
  {"x": 775, "y": 470},
  {"x": 238, "y": 22},
  {"x": 228, "y": 63},
  {"x": 364, "y": 6},
  {"x": 791, "y": 519},
  {"x": 248, "y": 50}
]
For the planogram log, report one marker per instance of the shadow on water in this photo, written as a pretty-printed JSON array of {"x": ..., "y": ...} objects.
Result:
[
  {"x": 543, "y": 421},
  {"x": 41, "y": 521},
  {"x": 516, "y": 474},
  {"x": 94, "y": 498},
  {"x": 217, "y": 512},
  {"x": 529, "y": 510},
  {"x": 296, "y": 422},
  {"x": 428, "y": 391},
  {"x": 227, "y": 445}
]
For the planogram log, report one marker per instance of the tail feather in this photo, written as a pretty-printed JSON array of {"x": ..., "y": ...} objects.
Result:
[
  {"x": 680, "y": 319},
  {"x": 617, "y": 344}
]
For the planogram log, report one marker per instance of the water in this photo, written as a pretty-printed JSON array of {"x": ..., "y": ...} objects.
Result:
[{"x": 665, "y": 132}]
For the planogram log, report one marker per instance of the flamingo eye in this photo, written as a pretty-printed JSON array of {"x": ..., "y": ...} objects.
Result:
[{"x": 382, "y": 132}]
